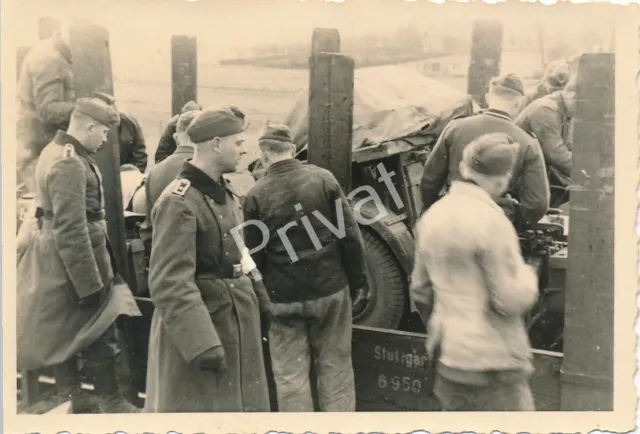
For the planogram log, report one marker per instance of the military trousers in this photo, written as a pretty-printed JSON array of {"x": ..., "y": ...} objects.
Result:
[
  {"x": 318, "y": 333},
  {"x": 514, "y": 395}
]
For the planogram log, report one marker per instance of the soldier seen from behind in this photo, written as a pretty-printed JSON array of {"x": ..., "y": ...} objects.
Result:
[
  {"x": 167, "y": 144},
  {"x": 556, "y": 77},
  {"x": 45, "y": 99},
  {"x": 69, "y": 291},
  {"x": 163, "y": 173},
  {"x": 527, "y": 198},
  {"x": 309, "y": 271},
  {"x": 472, "y": 287},
  {"x": 205, "y": 345},
  {"x": 550, "y": 119}
]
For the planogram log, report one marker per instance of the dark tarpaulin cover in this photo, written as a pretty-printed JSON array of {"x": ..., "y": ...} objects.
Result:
[{"x": 391, "y": 103}]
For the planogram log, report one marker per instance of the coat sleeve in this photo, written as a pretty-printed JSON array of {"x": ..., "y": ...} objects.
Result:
[
  {"x": 351, "y": 244},
  {"x": 145, "y": 226},
  {"x": 548, "y": 131},
  {"x": 436, "y": 170},
  {"x": 66, "y": 185},
  {"x": 512, "y": 284},
  {"x": 167, "y": 144},
  {"x": 139, "y": 147},
  {"x": 172, "y": 284},
  {"x": 421, "y": 287},
  {"x": 48, "y": 89},
  {"x": 534, "y": 193}
]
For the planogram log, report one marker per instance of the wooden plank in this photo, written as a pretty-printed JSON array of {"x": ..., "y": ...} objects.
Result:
[
  {"x": 325, "y": 40},
  {"x": 331, "y": 114},
  {"x": 92, "y": 69},
  {"x": 391, "y": 371},
  {"x": 587, "y": 371},
  {"x": 184, "y": 72},
  {"x": 486, "y": 52}
]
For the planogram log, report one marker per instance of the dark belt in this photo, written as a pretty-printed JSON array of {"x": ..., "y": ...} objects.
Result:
[
  {"x": 224, "y": 271},
  {"x": 92, "y": 216}
]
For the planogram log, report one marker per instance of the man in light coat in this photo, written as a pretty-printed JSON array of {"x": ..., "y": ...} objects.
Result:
[
  {"x": 205, "y": 347},
  {"x": 472, "y": 288},
  {"x": 69, "y": 294}
]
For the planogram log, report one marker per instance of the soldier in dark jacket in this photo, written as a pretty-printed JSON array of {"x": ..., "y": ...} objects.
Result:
[
  {"x": 556, "y": 77},
  {"x": 529, "y": 185},
  {"x": 205, "y": 346},
  {"x": 308, "y": 271},
  {"x": 46, "y": 97},
  {"x": 550, "y": 120},
  {"x": 70, "y": 295},
  {"x": 133, "y": 149},
  {"x": 167, "y": 144}
]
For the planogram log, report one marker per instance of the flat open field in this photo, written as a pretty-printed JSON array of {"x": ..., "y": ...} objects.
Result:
[{"x": 262, "y": 93}]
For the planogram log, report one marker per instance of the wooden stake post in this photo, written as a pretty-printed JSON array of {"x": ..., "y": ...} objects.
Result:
[
  {"x": 331, "y": 107},
  {"x": 184, "y": 72},
  {"x": 587, "y": 369},
  {"x": 486, "y": 50}
]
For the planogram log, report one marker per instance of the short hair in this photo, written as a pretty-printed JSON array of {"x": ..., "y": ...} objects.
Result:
[{"x": 185, "y": 120}]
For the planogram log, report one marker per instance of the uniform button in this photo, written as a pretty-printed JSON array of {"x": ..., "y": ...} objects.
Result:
[
  {"x": 232, "y": 285},
  {"x": 226, "y": 253},
  {"x": 224, "y": 236},
  {"x": 220, "y": 216}
]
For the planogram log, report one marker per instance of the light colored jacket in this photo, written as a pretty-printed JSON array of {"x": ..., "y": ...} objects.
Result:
[{"x": 470, "y": 272}]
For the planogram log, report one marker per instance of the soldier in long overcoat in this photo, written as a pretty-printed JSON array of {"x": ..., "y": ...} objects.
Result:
[
  {"x": 45, "y": 99},
  {"x": 68, "y": 294},
  {"x": 205, "y": 350}
]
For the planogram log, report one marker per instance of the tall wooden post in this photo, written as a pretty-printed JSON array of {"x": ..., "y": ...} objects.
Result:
[
  {"x": 325, "y": 41},
  {"x": 486, "y": 51},
  {"x": 587, "y": 369},
  {"x": 184, "y": 72},
  {"x": 92, "y": 69},
  {"x": 331, "y": 108}
]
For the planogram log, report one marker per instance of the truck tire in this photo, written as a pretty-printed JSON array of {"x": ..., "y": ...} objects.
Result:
[{"x": 387, "y": 287}]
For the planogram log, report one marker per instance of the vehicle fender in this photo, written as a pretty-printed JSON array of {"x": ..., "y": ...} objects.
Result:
[{"x": 392, "y": 229}]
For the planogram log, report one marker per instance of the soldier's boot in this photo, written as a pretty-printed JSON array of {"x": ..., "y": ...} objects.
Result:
[
  {"x": 109, "y": 397},
  {"x": 70, "y": 389}
]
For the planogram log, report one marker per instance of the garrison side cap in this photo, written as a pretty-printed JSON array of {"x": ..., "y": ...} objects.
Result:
[
  {"x": 217, "y": 121},
  {"x": 99, "y": 110},
  {"x": 509, "y": 82},
  {"x": 491, "y": 154}
]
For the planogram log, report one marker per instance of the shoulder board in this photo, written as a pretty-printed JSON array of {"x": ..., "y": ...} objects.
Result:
[
  {"x": 68, "y": 151},
  {"x": 182, "y": 187}
]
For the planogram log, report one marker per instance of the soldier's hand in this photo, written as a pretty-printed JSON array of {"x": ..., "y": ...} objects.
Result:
[
  {"x": 212, "y": 360},
  {"x": 266, "y": 317}
]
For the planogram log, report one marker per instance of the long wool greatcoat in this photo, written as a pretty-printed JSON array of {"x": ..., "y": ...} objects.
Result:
[
  {"x": 66, "y": 259},
  {"x": 199, "y": 306}
]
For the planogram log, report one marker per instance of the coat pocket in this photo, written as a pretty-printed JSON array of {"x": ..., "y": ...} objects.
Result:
[{"x": 215, "y": 295}]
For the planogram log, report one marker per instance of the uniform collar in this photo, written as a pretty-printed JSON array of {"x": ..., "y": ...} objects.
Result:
[
  {"x": 470, "y": 188},
  {"x": 498, "y": 113},
  {"x": 216, "y": 190},
  {"x": 284, "y": 166},
  {"x": 62, "y": 138}
]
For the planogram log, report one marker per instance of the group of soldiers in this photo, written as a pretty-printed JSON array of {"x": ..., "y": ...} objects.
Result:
[{"x": 219, "y": 291}]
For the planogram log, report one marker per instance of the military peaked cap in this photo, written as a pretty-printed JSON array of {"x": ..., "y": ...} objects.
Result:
[
  {"x": 97, "y": 109},
  {"x": 509, "y": 82},
  {"x": 216, "y": 122},
  {"x": 491, "y": 154}
]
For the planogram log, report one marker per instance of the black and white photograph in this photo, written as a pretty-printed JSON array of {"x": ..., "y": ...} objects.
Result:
[{"x": 234, "y": 216}]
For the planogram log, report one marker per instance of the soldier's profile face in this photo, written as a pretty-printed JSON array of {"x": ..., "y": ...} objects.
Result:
[
  {"x": 97, "y": 137},
  {"x": 231, "y": 150}
]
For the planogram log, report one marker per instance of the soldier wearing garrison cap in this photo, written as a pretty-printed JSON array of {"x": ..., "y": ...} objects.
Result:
[
  {"x": 527, "y": 199},
  {"x": 70, "y": 294},
  {"x": 311, "y": 293},
  {"x": 167, "y": 144},
  {"x": 473, "y": 306},
  {"x": 556, "y": 77},
  {"x": 205, "y": 347}
]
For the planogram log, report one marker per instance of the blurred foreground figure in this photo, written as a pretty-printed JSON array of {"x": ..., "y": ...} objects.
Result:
[
  {"x": 46, "y": 96},
  {"x": 472, "y": 288},
  {"x": 527, "y": 198},
  {"x": 556, "y": 77},
  {"x": 550, "y": 119},
  {"x": 69, "y": 292},
  {"x": 205, "y": 348},
  {"x": 310, "y": 293},
  {"x": 167, "y": 144},
  {"x": 163, "y": 173}
]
